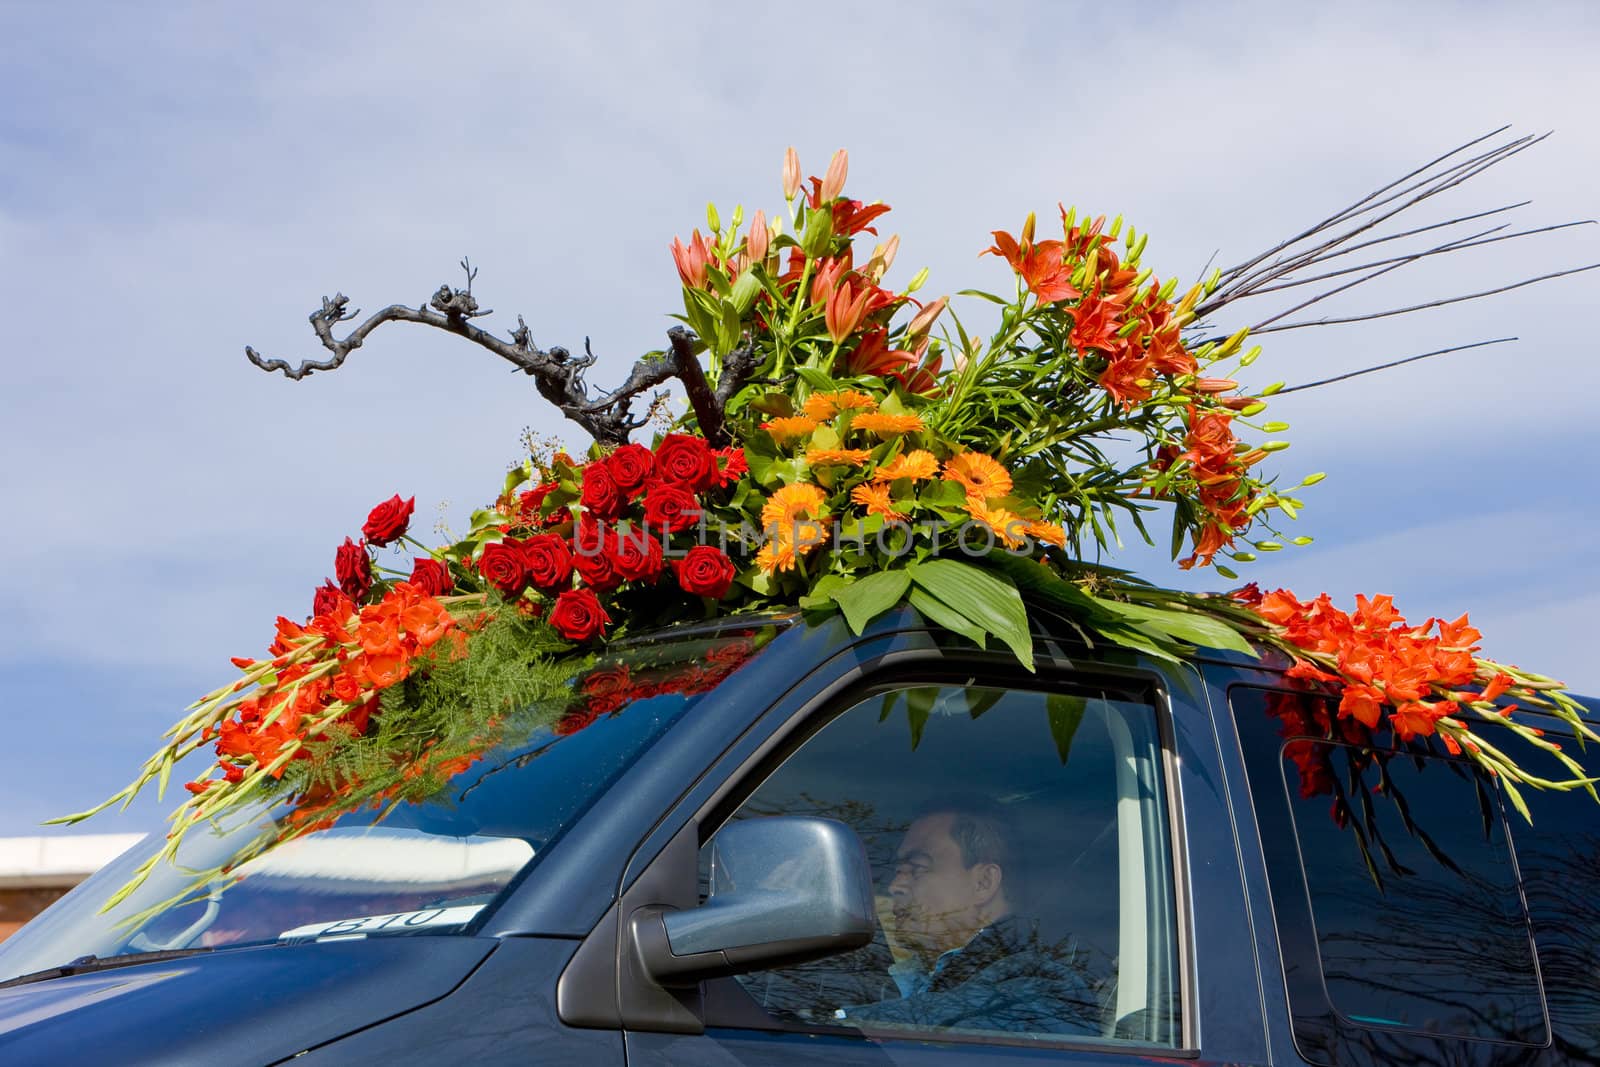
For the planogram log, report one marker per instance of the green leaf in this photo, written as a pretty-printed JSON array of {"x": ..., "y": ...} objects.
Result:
[
  {"x": 981, "y": 700},
  {"x": 821, "y": 596},
  {"x": 817, "y": 379},
  {"x": 943, "y": 494},
  {"x": 981, "y": 295},
  {"x": 866, "y": 598},
  {"x": 941, "y": 614},
  {"x": 517, "y": 475},
  {"x": 1180, "y": 625},
  {"x": 919, "y": 704},
  {"x": 1066, "y": 715},
  {"x": 986, "y": 598},
  {"x": 1030, "y": 577}
]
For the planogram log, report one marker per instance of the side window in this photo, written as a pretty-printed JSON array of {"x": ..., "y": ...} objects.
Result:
[
  {"x": 1395, "y": 889},
  {"x": 1558, "y": 856},
  {"x": 1019, "y": 842}
]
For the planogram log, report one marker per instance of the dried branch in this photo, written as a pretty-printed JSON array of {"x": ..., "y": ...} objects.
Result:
[
  {"x": 1391, "y": 363},
  {"x": 557, "y": 373},
  {"x": 1427, "y": 305},
  {"x": 1258, "y": 276}
]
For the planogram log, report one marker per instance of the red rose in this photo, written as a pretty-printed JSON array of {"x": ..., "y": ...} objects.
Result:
[
  {"x": 504, "y": 567},
  {"x": 668, "y": 507},
  {"x": 574, "y": 720},
  {"x": 730, "y": 652},
  {"x": 705, "y": 571},
  {"x": 578, "y": 615},
  {"x": 606, "y": 682},
  {"x": 595, "y": 566},
  {"x": 600, "y": 496},
  {"x": 549, "y": 562},
  {"x": 431, "y": 576},
  {"x": 330, "y": 600},
  {"x": 353, "y": 569},
  {"x": 630, "y": 467},
  {"x": 686, "y": 460},
  {"x": 388, "y": 520},
  {"x": 636, "y": 555}
]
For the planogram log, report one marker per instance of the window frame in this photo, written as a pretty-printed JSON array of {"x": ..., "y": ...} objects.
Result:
[{"x": 726, "y": 1004}]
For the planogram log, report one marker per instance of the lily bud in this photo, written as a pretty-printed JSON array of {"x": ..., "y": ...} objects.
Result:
[
  {"x": 712, "y": 219},
  {"x": 917, "y": 281},
  {"x": 1027, "y": 230},
  {"x": 756, "y": 243},
  {"x": 891, "y": 248},
  {"x": 1213, "y": 386},
  {"x": 833, "y": 181},
  {"x": 791, "y": 173},
  {"x": 925, "y": 318}
]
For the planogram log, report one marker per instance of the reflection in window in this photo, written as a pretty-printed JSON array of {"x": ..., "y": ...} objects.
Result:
[
  {"x": 1019, "y": 846},
  {"x": 1416, "y": 940}
]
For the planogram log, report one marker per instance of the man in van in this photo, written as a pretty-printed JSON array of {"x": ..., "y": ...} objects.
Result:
[{"x": 966, "y": 959}]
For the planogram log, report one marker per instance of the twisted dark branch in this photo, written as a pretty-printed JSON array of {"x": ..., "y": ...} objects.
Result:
[{"x": 558, "y": 374}]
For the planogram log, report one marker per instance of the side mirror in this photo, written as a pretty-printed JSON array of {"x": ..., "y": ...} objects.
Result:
[{"x": 784, "y": 890}]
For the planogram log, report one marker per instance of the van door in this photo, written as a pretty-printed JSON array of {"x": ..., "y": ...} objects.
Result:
[
  {"x": 1419, "y": 918},
  {"x": 1030, "y": 837}
]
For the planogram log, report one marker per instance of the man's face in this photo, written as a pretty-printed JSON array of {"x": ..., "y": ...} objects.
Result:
[{"x": 938, "y": 900}]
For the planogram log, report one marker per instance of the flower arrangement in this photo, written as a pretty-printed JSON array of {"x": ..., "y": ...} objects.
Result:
[{"x": 859, "y": 448}]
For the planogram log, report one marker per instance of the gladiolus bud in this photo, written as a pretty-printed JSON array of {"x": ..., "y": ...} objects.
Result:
[
  {"x": 756, "y": 243},
  {"x": 925, "y": 318},
  {"x": 833, "y": 181},
  {"x": 791, "y": 173}
]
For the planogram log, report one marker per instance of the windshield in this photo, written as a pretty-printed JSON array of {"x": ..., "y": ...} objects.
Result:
[{"x": 429, "y": 867}]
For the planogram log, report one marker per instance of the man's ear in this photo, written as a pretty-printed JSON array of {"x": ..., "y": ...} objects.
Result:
[{"x": 987, "y": 881}]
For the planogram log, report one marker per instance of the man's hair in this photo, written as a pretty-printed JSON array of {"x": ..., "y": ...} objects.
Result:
[{"x": 980, "y": 830}]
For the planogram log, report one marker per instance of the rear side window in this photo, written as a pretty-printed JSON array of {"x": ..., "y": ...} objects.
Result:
[{"x": 1394, "y": 882}]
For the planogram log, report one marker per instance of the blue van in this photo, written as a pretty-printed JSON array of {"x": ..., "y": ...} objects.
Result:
[{"x": 774, "y": 842}]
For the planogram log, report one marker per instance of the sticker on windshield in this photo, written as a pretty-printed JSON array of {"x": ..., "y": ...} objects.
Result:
[{"x": 375, "y": 924}]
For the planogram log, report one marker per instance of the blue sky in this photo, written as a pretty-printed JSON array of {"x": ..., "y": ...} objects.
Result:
[{"x": 178, "y": 183}]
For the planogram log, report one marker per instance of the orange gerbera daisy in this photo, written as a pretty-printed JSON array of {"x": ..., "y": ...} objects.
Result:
[
  {"x": 789, "y": 427},
  {"x": 883, "y": 423},
  {"x": 837, "y": 457},
  {"x": 979, "y": 474},
  {"x": 776, "y": 555},
  {"x": 824, "y": 406},
  {"x": 793, "y": 502},
  {"x": 875, "y": 498},
  {"x": 914, "y": 465},
  {"x": 1049, "y": 533},
  {"x": 1008, "y": 526}
]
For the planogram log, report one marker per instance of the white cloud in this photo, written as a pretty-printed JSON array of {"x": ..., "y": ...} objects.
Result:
[{"x": 189, "y": 182}]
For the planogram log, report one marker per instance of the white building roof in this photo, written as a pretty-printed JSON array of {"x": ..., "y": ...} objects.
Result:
[{"x": 62, "y": 860}]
